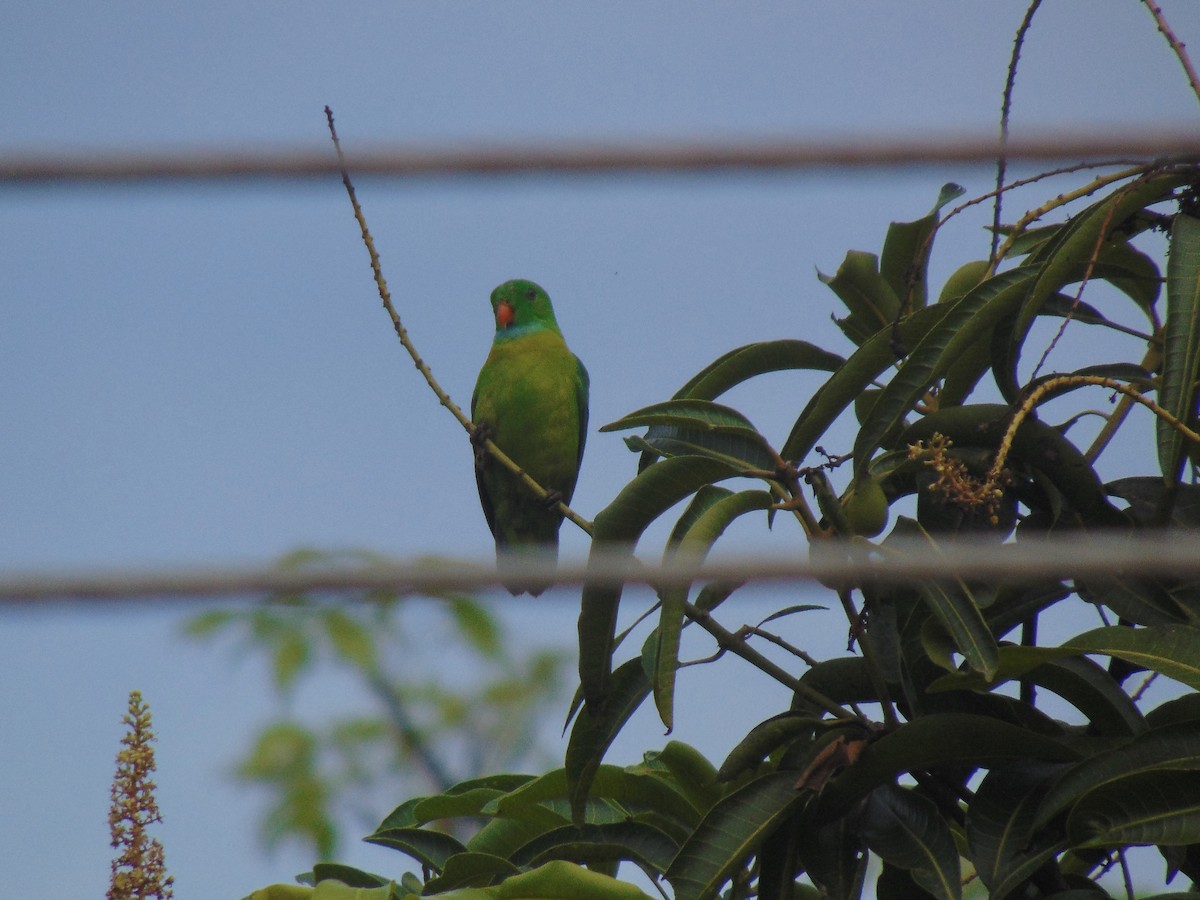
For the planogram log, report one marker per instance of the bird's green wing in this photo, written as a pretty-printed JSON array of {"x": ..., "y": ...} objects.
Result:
[{"x": 582, "y": 384}]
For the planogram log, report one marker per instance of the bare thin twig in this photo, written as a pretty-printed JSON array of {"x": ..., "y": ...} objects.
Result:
[
  {"x": 1005, "y": 109},
  {"x": 1176, "y": 45}
]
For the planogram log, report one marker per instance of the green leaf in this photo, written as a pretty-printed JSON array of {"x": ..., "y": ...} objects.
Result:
[
  {"x": 1145, "y": 808},
  {"x": 1181, "y": 341},
  {"x": 634, "y": 790},
  {"x": 430, "y": 848},
  {"x": 1172, "y": 748},
  {"x": 763, "y": 739},
  {"x": 597, "y": 725},
  {"x": 351, "y": 641},
  {"x": 697, "y": 415},
  {"x": 854, "y": 377},
  {"x": 348, "y": 875},
  {"x": 958, "y": 613},
  {"x": 931, "y": 740},
  {"x": 615, "y": 532},
  {"x": 905, "y": 829},
  {"x": 688, "y": 771},
  {"x": 732, "y": 831},
  {"x": 637, "y": 842},
  {"x": 747, "y": 362},
  {"x": 963, "y": 322},
  {"x": 559, "y": 879},
  {"x": 1171, "y": 650},
  {"x": 470, "y": 870},
  {"x": 872, "y": 303},
  {"x": 1000, "y": 825},
  {"x": 905, "y": 256},
  {"x": 693, "y": 545}
]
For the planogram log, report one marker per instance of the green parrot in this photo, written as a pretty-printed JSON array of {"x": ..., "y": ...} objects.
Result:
[{"x": 531, "y": 399}]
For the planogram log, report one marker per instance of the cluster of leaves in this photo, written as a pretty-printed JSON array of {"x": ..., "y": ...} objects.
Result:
[
  {"x": 932, "y": 750},
  {"x": 416, "y": 729}
]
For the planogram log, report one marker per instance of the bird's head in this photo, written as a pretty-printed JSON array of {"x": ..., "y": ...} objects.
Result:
[{"x": 522, "y": 306}]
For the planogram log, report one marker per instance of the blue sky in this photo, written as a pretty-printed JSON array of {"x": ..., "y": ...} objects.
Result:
[{"x": 202, "y": 373}]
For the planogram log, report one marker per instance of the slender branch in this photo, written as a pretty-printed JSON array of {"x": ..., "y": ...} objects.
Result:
[
  {"x": 401, "y": 332},
  {"x": 738, "y": 646},
  {"x": 409, "y": 734},
  {"x": 1051, "y": 384},
  {"x": 1176, "y": 45}
]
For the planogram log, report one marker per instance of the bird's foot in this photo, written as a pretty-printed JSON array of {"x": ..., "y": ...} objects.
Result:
[
  {"x": 480, "y": 435},
  {"x": 552, "y": 499}
]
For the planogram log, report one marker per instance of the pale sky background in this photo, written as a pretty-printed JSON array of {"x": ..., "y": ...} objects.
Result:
[{"x": 202, "y": 374}]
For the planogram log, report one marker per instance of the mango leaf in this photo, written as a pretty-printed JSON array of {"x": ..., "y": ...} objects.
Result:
[
  {"x": 430, "y": 848},
  {"x": 700, "y": 428},
  {"x": 872, "y": 303},
  {"x": 958, "y": 613},
  {"x": 906, "y": 830},
  {"x": 633, "y": 791},
  {"x": 348, "y": 875},
  {"x": 559, "y": 878},
  {"x": 470, "y": 870},
  {"x": 763, "y": 739},
  {"x": 1171, "y": 650},
  {"x": 1000, "y": 820},
  {"x": 855, "y": 376},
  {"x": 1145, "y": 808},
  {"x": 645, "y": 845},
  {"x": 1172, "y": 748},
  {"x": 931, "y": 740},
  {"x": 744, "y": 363},
  {"x": 1060, "y": 258},
  {"x": 833, "y": 858},
  {"x": 905, "y": 257},
  {"x": 615, "y": 532},
  {"x": 1058, "y": 261},
  {"x": 693, "y": 545},
  {"x": 965, "y": 321},
  {"x": 731, "y": 832},
  {"x": 596, "y": 726},
  {"x": 686, "y": 770},
  {"x": 1181, "y": 341}
]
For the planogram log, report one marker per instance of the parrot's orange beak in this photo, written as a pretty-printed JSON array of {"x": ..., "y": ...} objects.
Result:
[{"x": 505, "y": 314}]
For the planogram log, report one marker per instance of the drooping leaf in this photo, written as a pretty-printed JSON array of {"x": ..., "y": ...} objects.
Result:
[
  {"x": 470, "y": 870},
  {"x": 763, "y": 739},
  {"x": 906, "y": 830},
  {"x": 732, "y": 831},
  {"x": 958, "y": 613},
  {"x": 1181, "y": 342},
  {"x": 597, "y": 725},
  {"x": 963, "y": 323},
  {"x": 1171, "y": 650},
  {"x": 1000, "y": 825},
  {"x": 636, "y": 842},
  {"x": 615, "y": 533},
  {"x": 933, "y": 739},
  {"x": 1172, "y": 748},
  {"x": 855, "y": 376},
  {"x": 428, "y": 847},
  {"x": 1155, "y": 807},
  {"x": 693, "y": 545}
]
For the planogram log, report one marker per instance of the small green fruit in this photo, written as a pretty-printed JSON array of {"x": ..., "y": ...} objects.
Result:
[{"x": 866, "y": 506}]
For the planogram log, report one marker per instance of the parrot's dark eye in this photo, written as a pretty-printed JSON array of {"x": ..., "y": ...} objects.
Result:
[{"x": 531, "y": 293}]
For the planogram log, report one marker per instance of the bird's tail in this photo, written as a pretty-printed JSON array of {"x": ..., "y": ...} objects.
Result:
[{"x": 514, "y": 562}]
